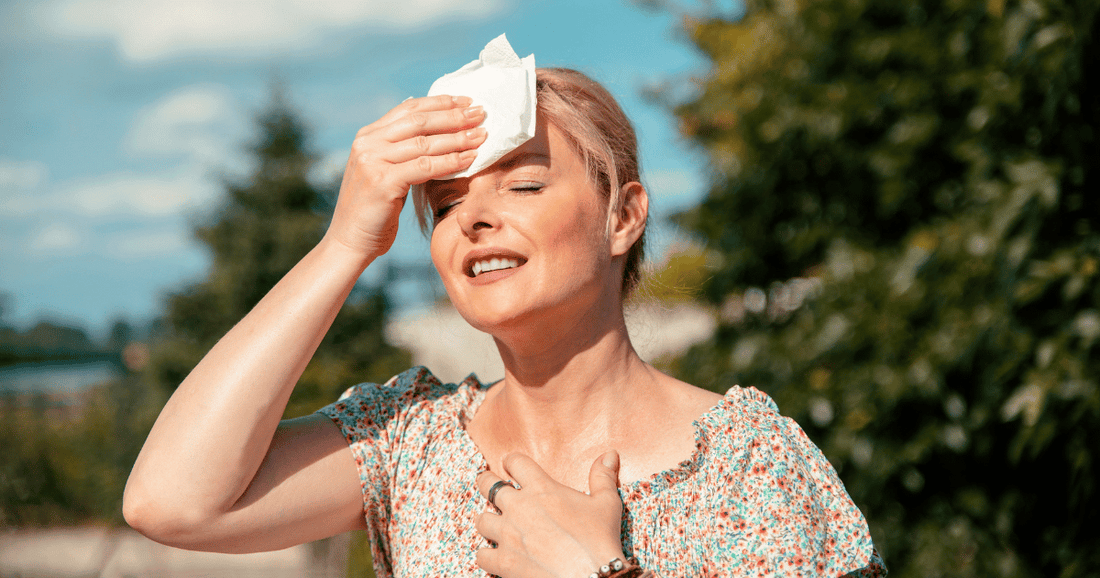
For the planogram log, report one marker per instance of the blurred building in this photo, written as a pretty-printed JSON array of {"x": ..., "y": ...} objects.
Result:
[{"x": 442, "y": 341}]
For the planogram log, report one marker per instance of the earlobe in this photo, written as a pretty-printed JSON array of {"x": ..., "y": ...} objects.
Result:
[{"x": 630, "y": 218}]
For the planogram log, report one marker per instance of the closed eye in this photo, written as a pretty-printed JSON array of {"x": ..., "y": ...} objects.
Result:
[
  {"x": 444, "y": 208},
  {"x": 442, "y": 211},
  {"x": 527, "y": 187}
]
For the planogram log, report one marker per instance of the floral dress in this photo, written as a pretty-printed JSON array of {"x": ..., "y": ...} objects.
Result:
[{"x": 756, "y": 497}]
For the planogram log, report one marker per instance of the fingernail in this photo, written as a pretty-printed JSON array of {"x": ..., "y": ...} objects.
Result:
[
  {"x": 475, "y": 133},
  {"x": 609, "y": 459},
  {"x": 474, "y": 112},
  {"x": 462, "y": 100}
]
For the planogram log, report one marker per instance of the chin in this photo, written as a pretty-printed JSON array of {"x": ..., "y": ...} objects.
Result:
[{"x": 495, "y": 319}]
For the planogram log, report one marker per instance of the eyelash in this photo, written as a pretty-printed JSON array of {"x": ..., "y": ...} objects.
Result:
[
  {"x": 525, "y": 188},
  {"x": 442, "y": 211}
]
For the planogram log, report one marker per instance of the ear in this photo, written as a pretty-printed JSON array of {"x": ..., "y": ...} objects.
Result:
[{"x": 629, "y": 220}]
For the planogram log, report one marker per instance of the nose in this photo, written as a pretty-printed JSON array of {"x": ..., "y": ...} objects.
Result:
[{"x": 479, "y": 209}]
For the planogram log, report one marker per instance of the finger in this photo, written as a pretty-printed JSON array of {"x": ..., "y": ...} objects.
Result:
[
  {"x": 432, "y": 122},
  {"x": 490, "y": 525},
  {"x": 425, "y": 104},
  {"x": 423, "y": 169},
  {"x": 485, "y": 483},
  {"x": 491, "y": 560},
  {"x": 524, "y": 470},
  {"x": 603, "y": 478},
  {"x": 435, "y": 145},
  {"x": 485, "y": 480}
]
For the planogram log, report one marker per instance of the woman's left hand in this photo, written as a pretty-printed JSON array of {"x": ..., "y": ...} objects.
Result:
[{"x": 545, "y": 529}]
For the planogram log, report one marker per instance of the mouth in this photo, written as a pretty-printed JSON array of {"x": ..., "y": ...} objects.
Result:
[{"x": 485, "y": 261}]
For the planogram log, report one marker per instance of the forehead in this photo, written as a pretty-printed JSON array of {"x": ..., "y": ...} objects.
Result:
[
  {"x": 548, "y": 149},
  {"x": 544, "y": 146}
]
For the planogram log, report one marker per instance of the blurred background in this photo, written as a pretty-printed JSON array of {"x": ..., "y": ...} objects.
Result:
[{"x": 883, "y": 213}]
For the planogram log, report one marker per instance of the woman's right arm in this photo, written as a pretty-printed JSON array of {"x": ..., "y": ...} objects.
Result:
[{"x": 218, "y": 470}]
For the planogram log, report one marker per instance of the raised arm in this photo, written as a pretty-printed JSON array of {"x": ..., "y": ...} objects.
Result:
[{"x": 219, "y": 471}]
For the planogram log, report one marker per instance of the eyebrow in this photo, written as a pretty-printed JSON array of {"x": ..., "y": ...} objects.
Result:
[
  {"x": 524, "y": 158},
  {"x": 435, "y": 191}
]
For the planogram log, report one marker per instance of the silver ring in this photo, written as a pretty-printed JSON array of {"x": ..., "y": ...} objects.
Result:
[{"x": 491, "y": 497}]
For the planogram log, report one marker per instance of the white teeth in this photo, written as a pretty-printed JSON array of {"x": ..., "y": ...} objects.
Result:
[{"x": 493, "y": 264}]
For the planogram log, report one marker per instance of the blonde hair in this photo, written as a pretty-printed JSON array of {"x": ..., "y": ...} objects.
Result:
[{"x": 598, "y": 130}]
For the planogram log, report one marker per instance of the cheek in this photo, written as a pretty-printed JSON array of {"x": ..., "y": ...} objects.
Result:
[
  {"x": 438, "y": 249},
  {"x": 581, "y": 235}
]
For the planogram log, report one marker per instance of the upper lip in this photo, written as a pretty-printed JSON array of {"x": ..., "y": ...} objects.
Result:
[{"x": 488, "y": 253}]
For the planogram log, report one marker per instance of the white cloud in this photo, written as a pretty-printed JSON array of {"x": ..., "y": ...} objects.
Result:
[
  {"x": 147, "y": 243},
  {"x": 18, "y": 176},
  {"x": 202, "y": 122},
  {"x": 673, "y": 189},
  {"x": 148, "y": 30},
  {"x": 21, "y": 183},
  {"x": 329, "y": 168},
  {"x": 55, "y": 238},
  {"x": 118, "y": 194},
  {"x": 151, "y": 238},
  {"x": 130, "y": 194}
]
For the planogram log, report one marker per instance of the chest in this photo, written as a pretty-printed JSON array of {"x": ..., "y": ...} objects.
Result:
[
  {"x": 431, "y": 530},
  {"x": 643, "y": 451},
  {"x": 428, "y": 527}
]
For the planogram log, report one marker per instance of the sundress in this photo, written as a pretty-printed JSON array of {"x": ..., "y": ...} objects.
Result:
[{"x": 755, "y": 498}]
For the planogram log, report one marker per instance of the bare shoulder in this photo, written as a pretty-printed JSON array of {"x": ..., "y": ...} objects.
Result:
[
  {"x": 687, "y": 398},
  {"x": 663, "y": 435}
]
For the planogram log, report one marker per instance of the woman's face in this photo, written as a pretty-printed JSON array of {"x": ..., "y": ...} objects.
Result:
[{"x": 523, "y": 239}]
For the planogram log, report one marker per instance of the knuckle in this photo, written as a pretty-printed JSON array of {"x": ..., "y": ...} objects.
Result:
[
  {"x": 359, "y": 158},
  {"x": 359, "y": 145},
  {"x": 418, "y": 119},
  {"x": 514, "y": 536},
  {"x": 424, "y": 164},
  {"x": 421, "y": 143},
  {"x": 508, "y": 563},
  {"x": 454, "y": 161}
]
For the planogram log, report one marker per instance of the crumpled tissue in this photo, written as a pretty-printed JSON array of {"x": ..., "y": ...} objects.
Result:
[{"x": 505, "y": 85}]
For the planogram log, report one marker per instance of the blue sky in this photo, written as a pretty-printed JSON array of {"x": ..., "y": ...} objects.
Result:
[{"x": 118, "y": 116}]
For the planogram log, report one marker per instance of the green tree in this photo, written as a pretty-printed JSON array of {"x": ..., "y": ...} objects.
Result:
[
  {"x": 901, "y": 226},
  {"x": 266, "y": 224}
]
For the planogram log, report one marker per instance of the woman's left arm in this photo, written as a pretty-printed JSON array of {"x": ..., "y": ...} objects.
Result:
[{"x": 548, "y": 530}]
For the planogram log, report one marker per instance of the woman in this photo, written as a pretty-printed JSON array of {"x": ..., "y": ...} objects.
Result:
[{"x": 608, "y": 458}]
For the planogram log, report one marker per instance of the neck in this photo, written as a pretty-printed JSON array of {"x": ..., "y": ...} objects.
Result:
[{"x": 567, "y": 388}]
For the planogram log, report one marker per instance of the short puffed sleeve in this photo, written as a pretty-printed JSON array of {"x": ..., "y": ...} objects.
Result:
[
  {"x": 388, "y": 428},
  {"x": 787, "y": 512}
]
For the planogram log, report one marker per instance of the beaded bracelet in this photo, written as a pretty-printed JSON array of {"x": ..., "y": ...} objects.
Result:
[{"x": 619, "y": 569}]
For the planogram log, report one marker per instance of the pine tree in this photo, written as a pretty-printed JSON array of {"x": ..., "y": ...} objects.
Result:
[
  {"x": 902, "y": 221},
  {"x": 266, "y": 224}
]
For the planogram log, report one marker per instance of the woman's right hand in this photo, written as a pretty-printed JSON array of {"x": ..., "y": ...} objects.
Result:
[{"x": 418, "y": 140}]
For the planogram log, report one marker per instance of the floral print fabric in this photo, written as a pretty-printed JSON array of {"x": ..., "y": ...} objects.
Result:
[{"x": 755, "y": 498}]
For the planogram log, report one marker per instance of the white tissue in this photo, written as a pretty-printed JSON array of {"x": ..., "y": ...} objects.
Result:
[{"x": 505, "y": 85}]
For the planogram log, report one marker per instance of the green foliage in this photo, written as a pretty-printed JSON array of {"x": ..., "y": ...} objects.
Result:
[
  {"x": 65, "y": 461},
  {"x": 266, "y": 225},
  {"x": 360, "y": 562},
  {"x": 677, "y": 279},
  {"x": 905, "y": 257},
  {"x": 67, "y": 464}
]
